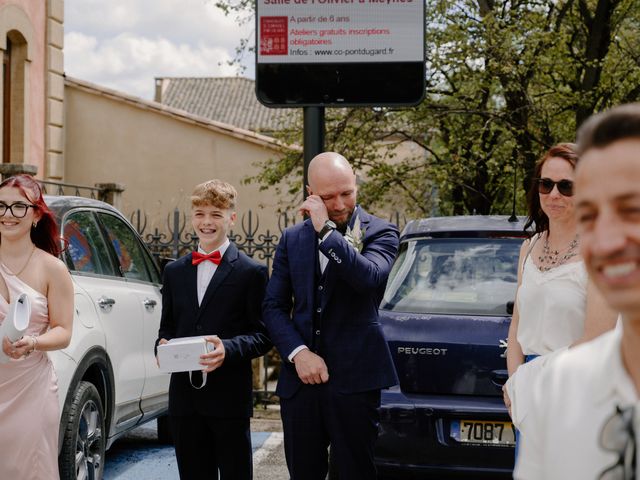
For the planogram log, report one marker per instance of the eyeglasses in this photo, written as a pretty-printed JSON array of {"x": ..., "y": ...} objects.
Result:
[
  {"x": 545, "y": 185},
  {"x": 618, "y": 436},
  {"x": 18, "y": 209}
]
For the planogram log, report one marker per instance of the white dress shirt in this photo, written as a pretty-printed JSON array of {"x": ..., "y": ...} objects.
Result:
[
  {"x": 206, "y": 270},
  {"x": 573, "y": 399},
  {"x": 519, "y": 387}
]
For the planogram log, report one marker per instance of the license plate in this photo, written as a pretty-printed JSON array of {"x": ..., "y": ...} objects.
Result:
[{"x": 480, "y": 432}]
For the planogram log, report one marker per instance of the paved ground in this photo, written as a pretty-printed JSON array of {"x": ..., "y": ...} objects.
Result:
[
  {"x": 138, "y": 456},
  {"x": 268, "y": 461}
]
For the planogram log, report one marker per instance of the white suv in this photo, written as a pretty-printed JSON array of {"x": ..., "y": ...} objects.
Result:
[{"x": 108, "y": 379}]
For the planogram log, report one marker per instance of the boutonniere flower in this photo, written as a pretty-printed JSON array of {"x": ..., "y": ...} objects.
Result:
[{"x": 355, "y": 235}]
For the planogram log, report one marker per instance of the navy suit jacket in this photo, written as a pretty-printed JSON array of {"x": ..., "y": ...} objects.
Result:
[
  {"x": 231, "y": 309},
  {"x": 351, "y": 341}
]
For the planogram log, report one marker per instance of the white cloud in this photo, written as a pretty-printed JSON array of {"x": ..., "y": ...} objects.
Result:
[{"x": 124, "y": 44}]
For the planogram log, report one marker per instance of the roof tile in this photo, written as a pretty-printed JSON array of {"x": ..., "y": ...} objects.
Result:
[{"x": 230, "y": 100}]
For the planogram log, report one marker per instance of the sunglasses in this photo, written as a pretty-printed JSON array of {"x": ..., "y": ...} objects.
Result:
[
  {"x": 545, "y": 185},
  {"x": 618, "y": 436}
]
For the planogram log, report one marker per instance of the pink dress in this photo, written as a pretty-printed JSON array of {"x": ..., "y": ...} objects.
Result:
[{"x": 29, "y": 411}]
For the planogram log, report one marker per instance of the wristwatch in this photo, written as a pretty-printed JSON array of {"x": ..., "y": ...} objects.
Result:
[{"x": 328, "y": 227}]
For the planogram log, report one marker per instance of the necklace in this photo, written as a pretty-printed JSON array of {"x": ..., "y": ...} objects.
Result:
[
  {"x": 554, "y": 258},
  {"x": 6, "y": 269}
]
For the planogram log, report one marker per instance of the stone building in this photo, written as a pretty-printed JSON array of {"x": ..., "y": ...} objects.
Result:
[
  {"x": 157, "y": 153},
  {"x": 32, "y": 87},
  {"x": 229, "y": 100},
  {"x": 147, "y": 155}
]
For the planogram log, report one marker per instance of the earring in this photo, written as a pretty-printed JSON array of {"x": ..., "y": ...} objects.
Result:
[{"x": 35, "y": 224}]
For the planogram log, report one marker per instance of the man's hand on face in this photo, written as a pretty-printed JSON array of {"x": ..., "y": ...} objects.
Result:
[
  {"x": 317, "y": 211},
  {"x": 310, "y": 367}
]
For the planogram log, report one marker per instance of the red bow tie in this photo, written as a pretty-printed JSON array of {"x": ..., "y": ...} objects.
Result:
[{"x": 197, "y": 257}]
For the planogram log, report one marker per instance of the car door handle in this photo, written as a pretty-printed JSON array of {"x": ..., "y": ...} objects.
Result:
[
  {"x": 105, "y": 302},
  {"x": 149, "y": 303}
]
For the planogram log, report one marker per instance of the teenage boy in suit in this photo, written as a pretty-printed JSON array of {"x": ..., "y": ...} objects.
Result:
[{"x": 216, "y": 292}]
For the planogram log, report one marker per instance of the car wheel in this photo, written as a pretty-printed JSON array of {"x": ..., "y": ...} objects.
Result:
[
  {"x": 164, "y": 431},
  {"x": 84, "y": 441}
]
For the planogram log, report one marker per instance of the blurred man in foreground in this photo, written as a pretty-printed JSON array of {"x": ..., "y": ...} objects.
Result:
[{"x": 586, "y": 414}]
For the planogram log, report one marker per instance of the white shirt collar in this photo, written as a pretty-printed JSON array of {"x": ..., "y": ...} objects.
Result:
[
  {"x": 222, "y": 249},
  {"x": 611, "y": 376},
  {"x": 354, "y": 214}
]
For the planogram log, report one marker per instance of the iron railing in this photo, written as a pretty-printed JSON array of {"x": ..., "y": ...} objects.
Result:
[
  {"x": 260, "y": 246},
  {"x": 51, "y": 187},
  {"x": 178, "y": 242}
]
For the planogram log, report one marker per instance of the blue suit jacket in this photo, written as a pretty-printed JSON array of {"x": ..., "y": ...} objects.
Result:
[
  {"x": 351, "y": 340},
  {"x": 230, "y": 309}
]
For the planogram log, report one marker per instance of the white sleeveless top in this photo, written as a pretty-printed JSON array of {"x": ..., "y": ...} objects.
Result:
[{"x": 552, "y": 307}]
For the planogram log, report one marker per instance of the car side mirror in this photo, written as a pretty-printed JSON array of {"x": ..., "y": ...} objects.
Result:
[{"x": 510, "y": 307}]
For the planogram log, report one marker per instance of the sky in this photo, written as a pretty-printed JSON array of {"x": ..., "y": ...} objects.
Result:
[{"x": 125, "y": 44}]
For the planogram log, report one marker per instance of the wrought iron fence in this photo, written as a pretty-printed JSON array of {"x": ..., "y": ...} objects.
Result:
[
  {"x": 178, "y": 241},
  {"x": 260, "y": 246},
  {"x": 59, "y": 188}
]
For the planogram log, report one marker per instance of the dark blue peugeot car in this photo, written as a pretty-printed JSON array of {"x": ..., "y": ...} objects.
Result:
[{"x": 446, "y": 314}]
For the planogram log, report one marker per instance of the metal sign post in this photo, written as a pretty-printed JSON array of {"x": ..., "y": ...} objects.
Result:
[
  {"x": 313, "y": 139},
  {"x": 338, "y": 53}
]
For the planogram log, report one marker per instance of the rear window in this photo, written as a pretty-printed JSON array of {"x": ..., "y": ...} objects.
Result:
[{"x": 475, "y": 276}]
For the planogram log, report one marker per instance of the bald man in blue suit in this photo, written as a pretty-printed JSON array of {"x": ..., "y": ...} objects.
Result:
[{"x": 321, "y": 310}]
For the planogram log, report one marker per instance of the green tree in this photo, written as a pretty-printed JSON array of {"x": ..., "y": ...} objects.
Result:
[{"x": 505, "y": 81}]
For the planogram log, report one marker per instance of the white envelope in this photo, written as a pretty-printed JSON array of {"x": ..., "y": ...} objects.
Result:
[
  {"x": 182, "y": 354},
  {"x": 16, "y": 321}
]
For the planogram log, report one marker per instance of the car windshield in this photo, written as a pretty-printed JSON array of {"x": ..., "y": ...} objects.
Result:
[{"x": 474, "y": 276}]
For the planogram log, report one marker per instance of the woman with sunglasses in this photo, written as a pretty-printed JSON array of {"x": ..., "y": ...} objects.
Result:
[
  {"x": 556, "y": 306},
  {"x": 29, "y": 412}
]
